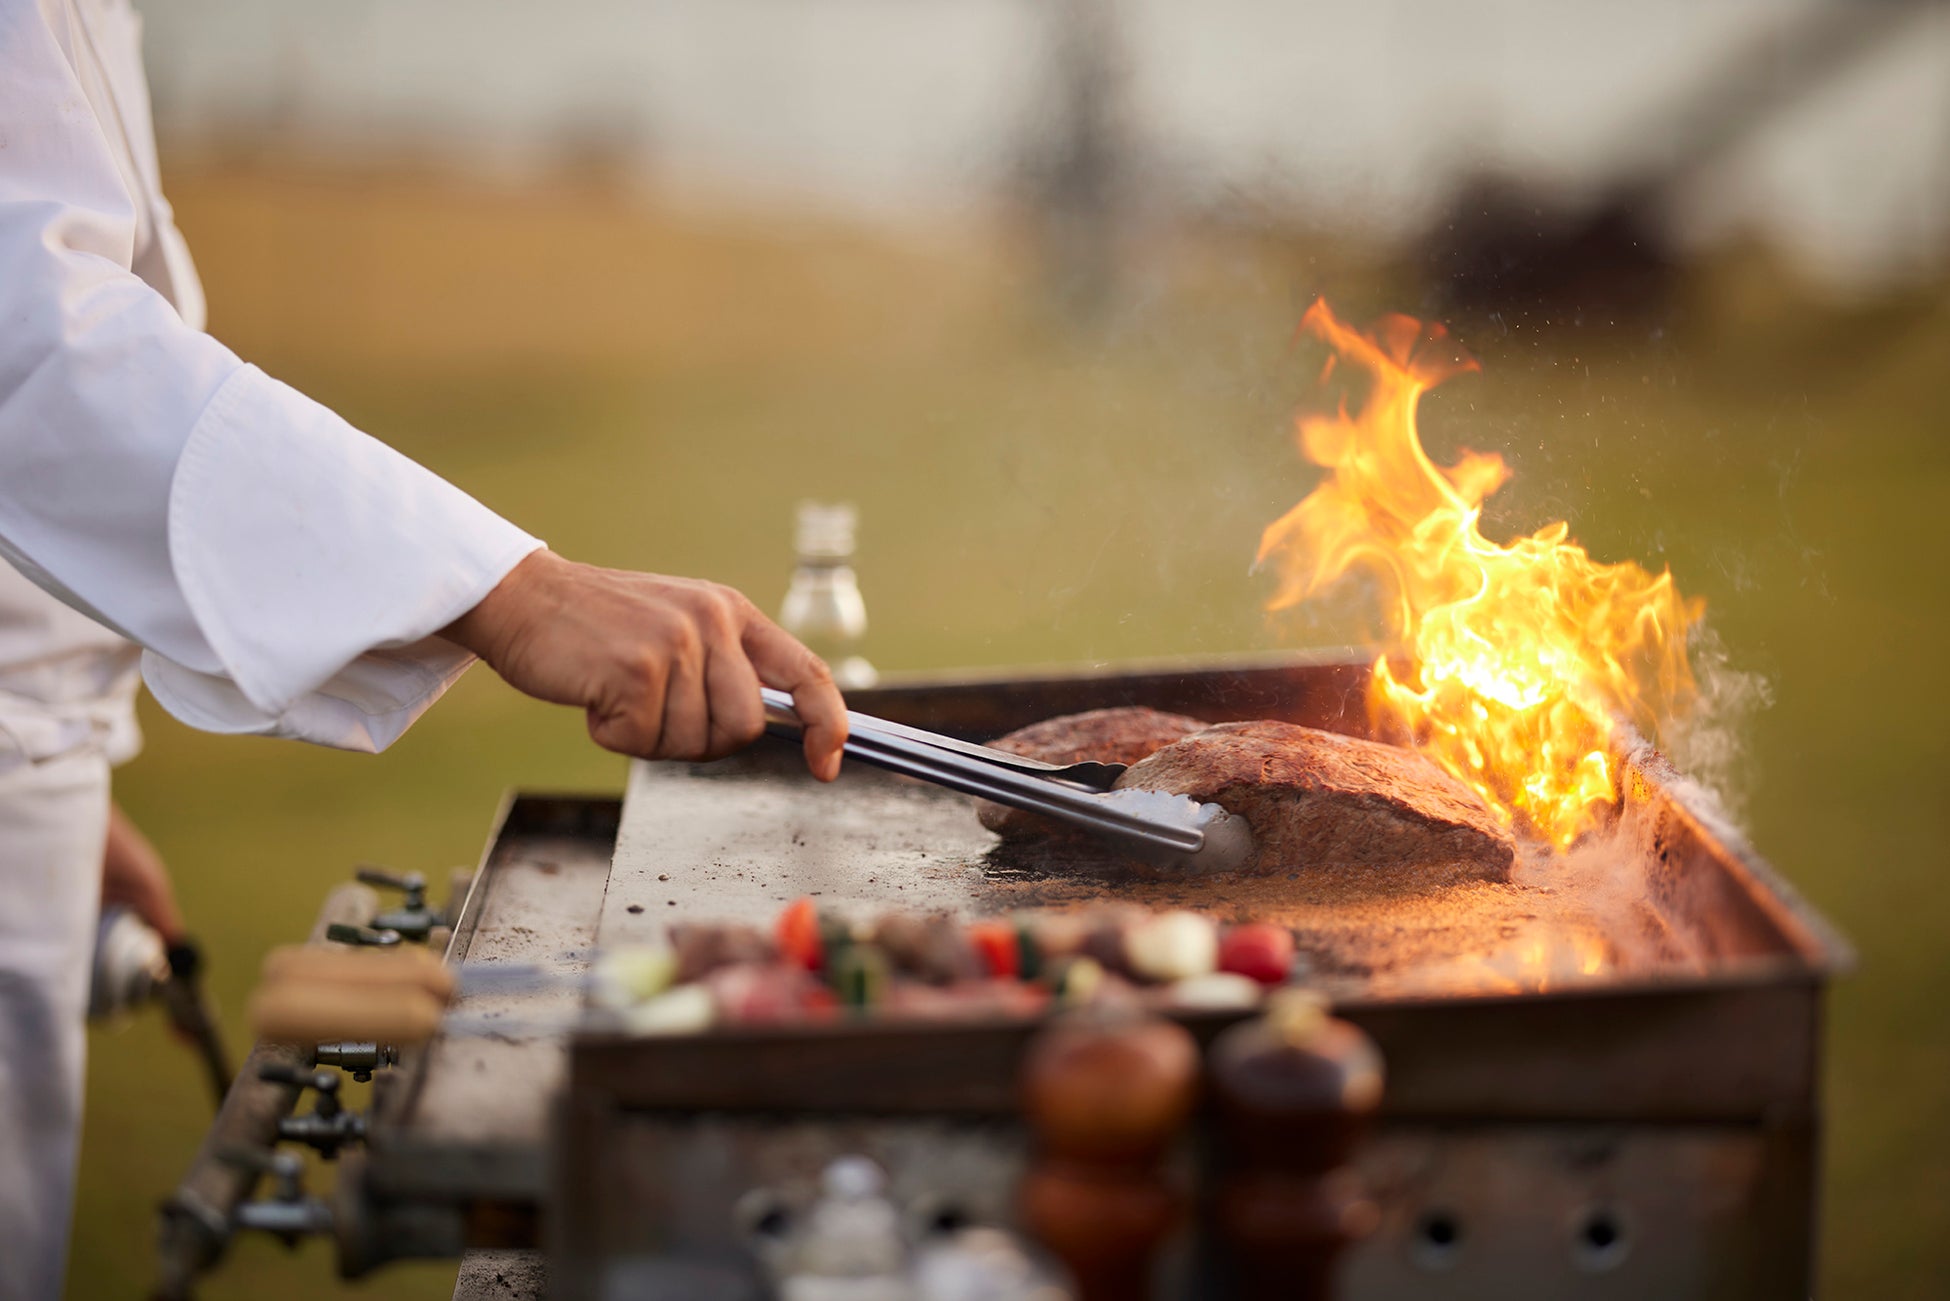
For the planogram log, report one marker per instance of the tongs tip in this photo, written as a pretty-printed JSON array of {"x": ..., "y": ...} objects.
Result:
[{"x": 1228, "y": 841}]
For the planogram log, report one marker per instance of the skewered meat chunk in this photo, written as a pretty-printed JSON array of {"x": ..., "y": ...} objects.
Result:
[
  {"x": 1333, "y": 806},
  {"x": 704, "y": 947},
  {"x": 1105, "y": 735},
  {"x": 934, "y": 949}
]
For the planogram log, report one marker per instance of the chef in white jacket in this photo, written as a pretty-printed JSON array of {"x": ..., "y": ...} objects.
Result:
[{"x": 271, "y": 569}]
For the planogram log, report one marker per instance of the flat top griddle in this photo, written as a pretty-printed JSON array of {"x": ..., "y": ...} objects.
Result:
[
  {"x": 1661, "y": 896},
  {"x": 1485, "y": 999}
]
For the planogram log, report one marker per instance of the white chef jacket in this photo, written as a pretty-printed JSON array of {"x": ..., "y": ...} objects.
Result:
[{"x": 283, "y": 573}]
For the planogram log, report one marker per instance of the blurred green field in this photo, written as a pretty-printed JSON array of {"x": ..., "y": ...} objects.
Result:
[{"x": 655, "y": 388}]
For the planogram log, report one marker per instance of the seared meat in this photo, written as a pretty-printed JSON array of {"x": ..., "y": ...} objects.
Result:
[
  {"x": 1106, "y": 735},
  {"x": 1335, "y": 806}
]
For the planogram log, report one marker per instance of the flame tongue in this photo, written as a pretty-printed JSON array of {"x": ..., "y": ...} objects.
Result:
[{"x": 1516, "y": 662}]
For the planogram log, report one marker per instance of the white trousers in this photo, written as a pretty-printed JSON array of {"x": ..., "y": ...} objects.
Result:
[{"x": 53, "y": 817}]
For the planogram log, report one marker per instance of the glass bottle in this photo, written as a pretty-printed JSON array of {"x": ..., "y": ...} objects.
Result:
[{"x": 823, "y": 607}]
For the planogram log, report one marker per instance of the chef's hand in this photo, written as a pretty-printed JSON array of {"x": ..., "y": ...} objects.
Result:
[
  {"x": 666, "y": 668},
  {"x": 133, "y": 875}
]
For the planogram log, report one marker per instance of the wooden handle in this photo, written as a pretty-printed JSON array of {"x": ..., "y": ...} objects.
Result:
[
  {"x": 309, "y": 1012},
  {"x": 403, "y": 967}
]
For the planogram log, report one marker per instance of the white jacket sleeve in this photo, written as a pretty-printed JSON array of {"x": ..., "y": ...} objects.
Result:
[{"x": 284, "y": 573}]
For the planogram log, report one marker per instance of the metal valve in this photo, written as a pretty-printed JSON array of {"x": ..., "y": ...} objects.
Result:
[
  {"x": 361, "y": 1059},
  {"x": 287, "y": 1213},
  {"x": 368, "y": 936},
  {"x": 412, "y": 919},
  {"x": 329, "y": 1126}
]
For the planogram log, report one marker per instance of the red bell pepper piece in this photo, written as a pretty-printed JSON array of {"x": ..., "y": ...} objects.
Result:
[{"x": 996, "y": 943}]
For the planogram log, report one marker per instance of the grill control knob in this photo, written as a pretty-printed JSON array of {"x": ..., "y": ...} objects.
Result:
[
  {"x": 287, "y": 1214},
  {"x": 362, "y": 936},
  {"x": 329, "y": 1126},
  {"x": 361, "y": 1059},
  {"x": 413, "y": 918}
]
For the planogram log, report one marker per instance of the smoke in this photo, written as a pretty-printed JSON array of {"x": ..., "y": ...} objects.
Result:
[{"x": 1709, "y": 743}]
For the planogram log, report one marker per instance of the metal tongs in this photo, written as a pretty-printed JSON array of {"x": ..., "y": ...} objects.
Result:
[{"x": 1158, "y": 826}]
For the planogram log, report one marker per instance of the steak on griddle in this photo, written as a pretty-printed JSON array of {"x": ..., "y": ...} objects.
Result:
[
  {"x": 1105, "y": 735},
  {"x": 1332, "y": 806}
]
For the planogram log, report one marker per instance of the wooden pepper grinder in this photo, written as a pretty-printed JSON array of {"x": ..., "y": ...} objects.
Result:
[
  {"x": 1105, "y": 1092},
  {"x": 1294, "y": 1091}
]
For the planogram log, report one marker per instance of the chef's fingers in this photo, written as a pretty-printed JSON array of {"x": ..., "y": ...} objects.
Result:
[
  {"x": 687, "y": 710},
  {"x": 628, "y": 714},
  {"x": 783, "y": 663},
  {"x": 737, "y": 713}
]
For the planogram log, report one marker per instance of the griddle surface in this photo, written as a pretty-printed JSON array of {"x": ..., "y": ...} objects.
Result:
[{"x": 738, "y": 840}]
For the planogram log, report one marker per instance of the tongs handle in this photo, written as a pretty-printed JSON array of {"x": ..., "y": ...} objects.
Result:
[
  {"x": 1005, "y": 778},
  {"x": 782, "y": 719}
]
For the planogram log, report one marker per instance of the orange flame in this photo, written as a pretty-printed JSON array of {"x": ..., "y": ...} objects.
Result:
[{"x": 1515, "y": 663}]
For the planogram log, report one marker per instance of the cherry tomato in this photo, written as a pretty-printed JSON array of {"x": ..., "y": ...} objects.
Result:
[
  {"x": 797, "y": 935},
  {"x": 1259, "y": 950}
]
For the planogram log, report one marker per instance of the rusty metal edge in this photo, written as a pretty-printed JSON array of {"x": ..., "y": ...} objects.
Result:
[
  {"x": 1765, "y": 1066},
  {"x": 1827, "y": 951},
  {"x": 468, "y": 920}
]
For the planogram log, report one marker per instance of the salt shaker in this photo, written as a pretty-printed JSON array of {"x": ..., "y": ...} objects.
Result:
[{"x": 823, "y": 607}]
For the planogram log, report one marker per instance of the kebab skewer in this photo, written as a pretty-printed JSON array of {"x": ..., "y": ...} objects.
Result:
[{"x": 810, "y": 968}]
